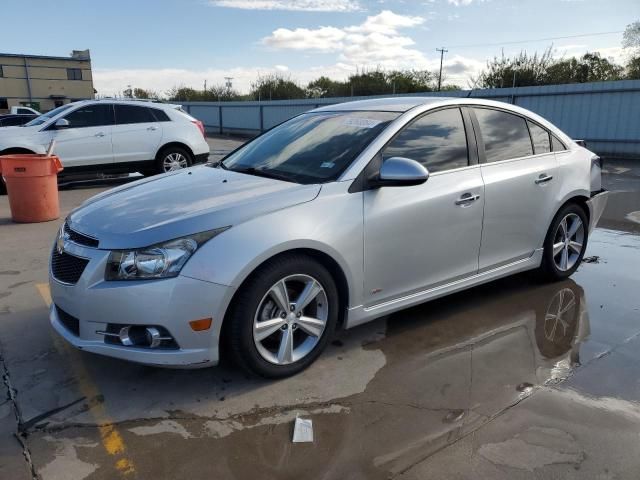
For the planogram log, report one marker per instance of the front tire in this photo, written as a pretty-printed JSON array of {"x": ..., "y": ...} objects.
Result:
[
  {"x": 283, "y": 317},
  {"x": 565, "y": 243}
]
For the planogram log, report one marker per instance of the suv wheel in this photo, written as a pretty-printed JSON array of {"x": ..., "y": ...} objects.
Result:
[
  {"x": 565, "y": 243},
  {"x": 283, "y": 317},
  {"x": 173, "y": 158}
]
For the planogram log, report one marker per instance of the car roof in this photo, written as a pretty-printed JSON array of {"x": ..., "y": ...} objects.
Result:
[
  {"x": 391, "y": 104},
  {"x": 146, "y": 103}
]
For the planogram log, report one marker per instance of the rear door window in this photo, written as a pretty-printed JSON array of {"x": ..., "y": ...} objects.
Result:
[
  {"x": 540, "y": 138},
  {"x": 127, "y": 114},
  {"x": 505, "y": 135},
  {"x": 437, "y": 140}
]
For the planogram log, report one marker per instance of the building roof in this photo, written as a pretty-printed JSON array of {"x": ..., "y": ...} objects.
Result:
[{"x": 44, "y": 57}]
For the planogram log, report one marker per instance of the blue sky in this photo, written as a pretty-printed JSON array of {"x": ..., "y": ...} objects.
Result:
[{"x": 162, "y": 43}]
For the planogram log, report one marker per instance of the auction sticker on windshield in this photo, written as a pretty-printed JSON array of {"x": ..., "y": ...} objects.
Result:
[{"x": 361, "y": 122}]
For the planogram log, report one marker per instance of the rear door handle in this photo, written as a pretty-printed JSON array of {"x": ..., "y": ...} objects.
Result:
[
  {"x": 543, "y": 178},
  {"x": 467, "y": 199},
  {"x": 99, "y": 134},
  {"x": 152, "y": 127}
]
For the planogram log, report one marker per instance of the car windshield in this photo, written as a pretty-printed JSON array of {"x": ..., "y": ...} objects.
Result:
[
  {"x": 45, "y": 117},
  {"x": 311, "y": 148}
]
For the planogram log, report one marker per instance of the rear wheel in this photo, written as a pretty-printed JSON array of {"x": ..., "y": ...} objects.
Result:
[
  {"x": 565, "y": 243},
  {"x": 173, "y": 158},
  {"x": 283, "y": 317}
]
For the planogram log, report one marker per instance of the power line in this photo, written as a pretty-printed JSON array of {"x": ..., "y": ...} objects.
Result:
[{"x": 498, "y": 44}]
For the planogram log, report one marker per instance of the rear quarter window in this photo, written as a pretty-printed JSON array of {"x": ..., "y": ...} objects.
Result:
[
  {"x": 558, "y": 146},
  {"x": 159, "y": 115}
]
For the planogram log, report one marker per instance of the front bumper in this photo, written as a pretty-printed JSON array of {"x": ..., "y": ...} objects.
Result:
[
  {"x": 170, "y": 303},
  {"x": 596, "y": 204}
]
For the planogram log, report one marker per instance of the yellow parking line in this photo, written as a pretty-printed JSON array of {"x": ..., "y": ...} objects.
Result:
[{"x": 111, "y": 438}]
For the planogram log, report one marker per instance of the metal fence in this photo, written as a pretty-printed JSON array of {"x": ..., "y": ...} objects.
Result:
[{"x": 605, "y": 114}]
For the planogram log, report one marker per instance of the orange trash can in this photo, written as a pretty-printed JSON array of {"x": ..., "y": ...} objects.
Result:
[{"x": 32, "y": 186}]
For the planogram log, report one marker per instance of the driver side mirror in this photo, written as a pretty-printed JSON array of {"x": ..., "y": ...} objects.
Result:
[
  {"x": 401, "y": 172},
  {"x": 62, "y": 123}
]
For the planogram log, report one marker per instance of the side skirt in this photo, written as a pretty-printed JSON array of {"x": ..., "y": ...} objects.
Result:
[{"x": 359, "y": 315}]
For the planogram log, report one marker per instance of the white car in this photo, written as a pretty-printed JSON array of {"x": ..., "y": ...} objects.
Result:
[
  {"x": 113, "y": 136},
  {"x": 22, "y": 110}
]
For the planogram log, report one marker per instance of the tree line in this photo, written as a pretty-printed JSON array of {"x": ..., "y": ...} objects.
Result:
[{"x": 520, "y": 70}]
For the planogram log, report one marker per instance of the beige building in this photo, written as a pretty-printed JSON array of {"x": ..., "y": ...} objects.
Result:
[{"x": 44, "y": 82}]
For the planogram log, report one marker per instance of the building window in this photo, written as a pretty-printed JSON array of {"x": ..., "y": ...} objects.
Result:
[
  {"x": 1, "y": 72},
  {"x": 4, "y": 105},
  {"x": 74, "y": 74}
]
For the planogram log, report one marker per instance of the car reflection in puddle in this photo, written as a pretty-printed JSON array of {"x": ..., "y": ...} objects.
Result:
[{"x": 452, "y": 365}]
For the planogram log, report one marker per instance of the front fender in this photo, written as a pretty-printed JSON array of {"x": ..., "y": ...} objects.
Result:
[
  {"x": 330, "y": 224},
  {"x": 41, "y": 149}
]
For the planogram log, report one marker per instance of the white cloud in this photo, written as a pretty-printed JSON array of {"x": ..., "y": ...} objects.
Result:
[
  {"x": 325, "y": 39},
  {"x": 463, "y": 3},
  {"x": 375, "y": 42},
  {"x": 386, "y": 22},
  {"x": 293, "y": 5}
]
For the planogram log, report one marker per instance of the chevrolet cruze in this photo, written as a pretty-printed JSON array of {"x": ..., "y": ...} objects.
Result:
[{"x": 331, "y": 219}]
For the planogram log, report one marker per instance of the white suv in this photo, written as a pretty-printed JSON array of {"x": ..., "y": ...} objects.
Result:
[{"x": 113, "y": 136}]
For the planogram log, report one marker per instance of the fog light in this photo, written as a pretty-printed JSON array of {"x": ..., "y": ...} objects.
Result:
[
  {"x": 153, "y": 337},
  {"x": 200, "y": 325}
]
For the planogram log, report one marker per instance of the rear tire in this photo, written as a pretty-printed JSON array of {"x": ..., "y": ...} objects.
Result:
[
  {"x": 262, "y": 348},
  {"x": 565, "y": 243},
  {"x": 173, "y": 158}
]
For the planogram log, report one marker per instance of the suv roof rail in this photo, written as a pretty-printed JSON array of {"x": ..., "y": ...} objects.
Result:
[{"x": 129, "y": 99}]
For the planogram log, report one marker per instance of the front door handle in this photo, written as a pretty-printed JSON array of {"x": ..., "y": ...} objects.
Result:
[
  {"x": 543, "y": 178},
  {"x": 99, "y": 134},
  {"x": 467, "y": 199}
]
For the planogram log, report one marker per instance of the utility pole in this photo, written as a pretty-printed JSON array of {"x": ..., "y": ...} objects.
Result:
[
  {"x": 205, "y": 84},
  {"x": 442, "y": 52}
]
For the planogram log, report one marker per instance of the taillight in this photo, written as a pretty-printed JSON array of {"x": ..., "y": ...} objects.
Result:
[{"x": 200, "y": 126}]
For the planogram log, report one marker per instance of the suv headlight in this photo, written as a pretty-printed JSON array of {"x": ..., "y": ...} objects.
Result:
[{"x": 163, "y": 260}]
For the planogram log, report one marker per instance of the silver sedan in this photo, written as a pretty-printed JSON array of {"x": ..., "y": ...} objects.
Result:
[{"x": 335, "y": 217}]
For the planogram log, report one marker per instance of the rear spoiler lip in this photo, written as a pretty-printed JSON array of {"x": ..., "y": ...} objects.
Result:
[{"x": 582, "y": 143}]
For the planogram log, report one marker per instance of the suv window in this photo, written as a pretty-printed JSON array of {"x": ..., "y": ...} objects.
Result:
[
  {"x": 159, "y": 115},
  {"x": 540, "y": 138},
  {"x": 558, "y": 146},
  {"x": 91, "y": 116},
  {"x": 133, "y": 114},
  {"x": 437, "y": 140},
  {"x": 505, "y": 135}
]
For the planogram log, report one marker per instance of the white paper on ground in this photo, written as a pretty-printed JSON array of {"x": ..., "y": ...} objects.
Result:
[{"x": 303, "y": 430}]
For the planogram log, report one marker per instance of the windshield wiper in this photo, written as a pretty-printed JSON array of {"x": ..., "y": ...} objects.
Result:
[
  {"x": 264, "y": 173},
  {"x": 218, "y": 164}
]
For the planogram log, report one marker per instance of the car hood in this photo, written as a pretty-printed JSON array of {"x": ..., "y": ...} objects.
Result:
[
  {"x": 19, "y": 131},
  {"x": 182, "y": 203}
]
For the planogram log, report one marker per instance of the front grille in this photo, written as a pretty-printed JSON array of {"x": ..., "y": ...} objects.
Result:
[
  {"x": 70, "y": 322},
  {"x": 79, "y": 238},
  {"x": 67, "y": 268}
]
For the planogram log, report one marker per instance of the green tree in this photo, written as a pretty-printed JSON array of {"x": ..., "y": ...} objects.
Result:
[
  {"x": 275, "y": 87},
  {"x": 525, "y": 70},
  {"x": 631, "y": 43}
]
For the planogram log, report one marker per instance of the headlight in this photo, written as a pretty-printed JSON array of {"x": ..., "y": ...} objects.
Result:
[{"x": 157, "y": 261}]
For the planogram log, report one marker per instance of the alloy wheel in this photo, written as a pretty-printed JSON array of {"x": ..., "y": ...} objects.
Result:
[
  {"x": 174, "y": 161},
  {"x": 568, "y": 242},
  {"x": 290, "y": 319}
]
